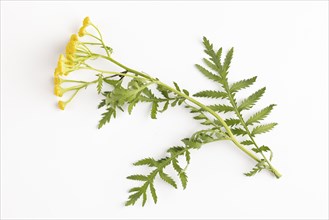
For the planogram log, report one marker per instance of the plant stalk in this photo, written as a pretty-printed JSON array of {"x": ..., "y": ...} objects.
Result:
[{"x": 212, "y": 112}]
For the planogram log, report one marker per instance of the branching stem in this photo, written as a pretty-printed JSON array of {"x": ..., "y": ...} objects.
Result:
[{"x": 202, "y": 106}]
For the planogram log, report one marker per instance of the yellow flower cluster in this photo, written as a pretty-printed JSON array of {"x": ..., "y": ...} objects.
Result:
[
  {"x": 86, "y": 22},
  {"x": 68, "y": 63}
]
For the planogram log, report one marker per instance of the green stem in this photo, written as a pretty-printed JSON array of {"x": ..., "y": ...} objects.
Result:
[
  {"x": 212, "y": 112},
  {"x": 232, "y": 137},
  {"x": 237, "y": 112},
  {"x": 101, "y": 39}
]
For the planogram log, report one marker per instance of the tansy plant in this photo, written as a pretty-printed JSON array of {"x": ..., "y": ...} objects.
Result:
[{"x": 130, "y": 87}]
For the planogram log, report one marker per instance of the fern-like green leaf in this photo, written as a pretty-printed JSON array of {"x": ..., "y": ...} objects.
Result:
[
  {"x": 144, "y": 199},
  {"x": 242, "y": 84},
  {"x": 211, "y": 94},
  {"x": 132, "y": 105},
  {"x": 186, "y": 92},
  {"x": 187, "y": 156},
  {"x": 208, "y": 74},
  {"x": 110, "y": 112},
  {"x": 232, "y": 121},
  {"x": 133, "y": 198},
  {"x": 262, "y": 114},
  {"x": 176, "y": 86},
  {"x": 214, "y": 57},
  {"x": 135, "y": 189},
  {"x": 182, "y": 175},
  {"x": 154, "y": 110},
  {"x": 261, "y": 149},
  {"x": 259, "y": 166},
  {"x": 102, "y": 103},
  {"x": 165, "y": 177},
  {"x": 221, "y": 108},
  {"x": 239, "y": 131},
  {"x": 153, "y": 193},
  {"x": 263, "y": 128},
  {"x": 138, "y": 177},
  {"x": 165, "y": 107},
  {"x": 247, "y": 142},
  {"x": 210, "y": 64},
  {"x": 249, "y": 102},
  {"x": 146, "y": 161},
  {"x": 183, "y": 178},
  {"x": 99, "y": 83},
  {"x": 227, "y": 62}
]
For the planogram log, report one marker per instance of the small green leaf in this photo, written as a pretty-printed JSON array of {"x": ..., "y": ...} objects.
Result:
[
  {"x": 263, "y": 128},
  {"x": 132, "y": 105},
  {"x": 227, "y": 62},
  {"x": 242, "y": 84},
  {"x": 249, "y": 102},
  {"x": 247, "y": 142},
  {"x": 165, "y": 107},
  {"x": 101, "y": 104},
  {"x": 154, "y": 110},
  {"x": 176, "y": 86},
  {"x": 153, "y": 193},
  {"x": 183, "y": 178},
  {"x": 174, "y": 103},
  {"x": 133, "y": 198},
  {"x": 144, "y": 198},
  {"x": 238, "y": 131},
  {"x": 187, "y": 156},
  {"x": 106, "y": 117},
  {"x": 99, "y": 83},
  {"x": 221, "y": 108},
  {"x": 262, "y": 114},
  {"x": 186, "y": 92},
  {"x": 214, "y": 57},
  {"x": 135, "y": 189},
  {"x": 111, "y": 82},
  {"x": 146, "y": 161},
  {"x": 138, "y": 177},
  {"x": 211, "y": 94},
  {"x": 210, "y": 64},
  {"x": 176, "y": 150},
  {"x": 167, "y": 179},
  {"x": 208, "y": 74},
  {"x": 232, "y": 121},
  {"x": 259, "y": 166},
  {"x": 261, "y": 149},
  {"x": 163, "y": 91}
]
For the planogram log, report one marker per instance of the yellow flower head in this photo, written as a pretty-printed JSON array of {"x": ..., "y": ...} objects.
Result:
[
  {"x": 82, "y": 31},
  {"x": 71, "y": 47},
  {"x": 86, "y": 21},
  {"x": 61, "y": 105},
  {"x": 69, "y": 63},
  {"x": 70, "y": 57},
  {"x": 57, "y": 80},
  {"x": 74, "y": 37},
  {"x": 60, "y": 68},
  {"x": 58, "y": 91},
  {"x": 57, "y": 72}
]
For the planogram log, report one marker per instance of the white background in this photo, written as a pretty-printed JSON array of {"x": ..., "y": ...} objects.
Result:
[{"x": 57, "y": 164}]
